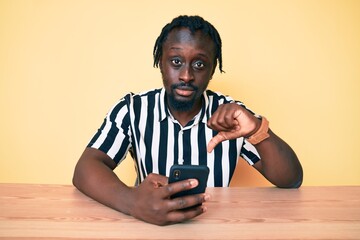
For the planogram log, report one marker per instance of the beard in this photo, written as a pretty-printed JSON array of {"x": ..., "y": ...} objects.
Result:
[{"x": 180, "y": 105}]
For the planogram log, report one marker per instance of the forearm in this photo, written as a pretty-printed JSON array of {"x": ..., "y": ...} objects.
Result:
[
  {"x": 98, "y": 181},
  {"x": 279, "y": 163},
  {"x": 150, "y": 201}
]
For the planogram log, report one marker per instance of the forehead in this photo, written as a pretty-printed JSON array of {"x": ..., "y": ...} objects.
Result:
[{"x": 183, "y": 36}]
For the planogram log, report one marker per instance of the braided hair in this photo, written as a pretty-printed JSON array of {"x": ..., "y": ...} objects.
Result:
[{"x": 193, "y": 23}]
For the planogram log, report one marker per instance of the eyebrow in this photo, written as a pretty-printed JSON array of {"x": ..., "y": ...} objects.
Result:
[{"x": 199, "y": 54}]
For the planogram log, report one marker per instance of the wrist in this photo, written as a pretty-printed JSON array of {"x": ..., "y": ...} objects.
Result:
[
  {"x": 261, "y": 133},
  {"x": 257, "y": 125}
]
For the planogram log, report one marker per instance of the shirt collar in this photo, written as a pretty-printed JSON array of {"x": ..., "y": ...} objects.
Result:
[{"x": 163, "y": 111}]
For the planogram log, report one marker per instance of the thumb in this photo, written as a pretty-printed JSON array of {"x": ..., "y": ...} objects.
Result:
[
  {"x": 157, "y": 180},
  {"x": 218, "y": 138}
]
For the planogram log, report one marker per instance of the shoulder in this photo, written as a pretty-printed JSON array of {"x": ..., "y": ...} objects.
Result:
[
  {"x": 141, "y": 96},
  {"x": 218, "y": 97},
  {"x": 132, "y": 101}
]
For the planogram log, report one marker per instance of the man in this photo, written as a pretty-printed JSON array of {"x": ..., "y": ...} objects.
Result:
[{"x": 182, "y": 123}]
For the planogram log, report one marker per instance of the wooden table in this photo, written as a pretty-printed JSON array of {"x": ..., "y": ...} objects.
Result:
[{"x": 62, "y": 212}]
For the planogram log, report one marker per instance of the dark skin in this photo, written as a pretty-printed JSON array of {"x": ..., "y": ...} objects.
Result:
[
  {"x": 150, "y": 201},
  {"x": 187, "y": 58}
]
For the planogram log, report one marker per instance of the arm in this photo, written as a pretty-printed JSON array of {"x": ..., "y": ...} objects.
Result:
[
  {"x": 279, "y": 163},
  {"x": 150, "y": 201}
]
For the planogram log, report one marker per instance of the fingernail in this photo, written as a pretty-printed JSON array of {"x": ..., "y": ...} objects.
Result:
[
  {"x": 193, "y": 182},
  {"x": 204, "y": 209},
  {"x": 207, "y": 197}
]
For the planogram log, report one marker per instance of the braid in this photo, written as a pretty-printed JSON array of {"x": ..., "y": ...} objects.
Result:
[{"x": 193, "y": 23}]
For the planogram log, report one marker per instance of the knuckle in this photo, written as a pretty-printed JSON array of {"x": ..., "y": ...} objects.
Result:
[
  {"x": 183, "y": 218},
  {"x": 198, "y": 199},
  {"x": 223, "y": 136},
  {"x": 156, "y": 208},
  {"x": 185, "y": 185},
  {"x": 151, "y": 176},
  {"x": 221, "y": 120},
  {"x": 169, "y": 189},
  {"x": 210, "y": 122},
  {"x": 181, "y": 202}
]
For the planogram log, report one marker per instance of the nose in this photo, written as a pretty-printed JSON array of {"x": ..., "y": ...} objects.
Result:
[{"x": 186, "y": 74}]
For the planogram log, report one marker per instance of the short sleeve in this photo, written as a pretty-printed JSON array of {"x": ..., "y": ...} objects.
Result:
[
  {"x": 114, "y": 135},
  {"x": 249, "y": 153}
]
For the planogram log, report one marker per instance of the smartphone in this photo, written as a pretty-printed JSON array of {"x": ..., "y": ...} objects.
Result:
[{"x": 183, "y": 172}]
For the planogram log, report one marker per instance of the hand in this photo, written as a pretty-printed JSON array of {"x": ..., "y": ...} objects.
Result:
[
  {"x": 231, "y": 121},
  {"x": 152, "y": 203}
]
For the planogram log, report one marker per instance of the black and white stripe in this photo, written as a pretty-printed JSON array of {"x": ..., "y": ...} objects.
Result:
[{"x": 142, "y": 125}]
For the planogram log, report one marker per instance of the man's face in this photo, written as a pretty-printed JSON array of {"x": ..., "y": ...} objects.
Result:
[{"x": 187, "y": 65}]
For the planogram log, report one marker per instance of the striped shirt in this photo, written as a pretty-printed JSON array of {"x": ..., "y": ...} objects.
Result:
[{"x": 142, "y": 125}]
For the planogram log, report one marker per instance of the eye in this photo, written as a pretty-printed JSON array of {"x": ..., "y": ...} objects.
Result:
[
  {"x": 176, "y": 62},
  {"x": 199, "y": 65}
]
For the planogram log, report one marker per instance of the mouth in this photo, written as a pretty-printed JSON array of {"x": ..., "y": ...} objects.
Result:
[
  {"x": 182, "y": 96},
  {"x": 184, "y": 90}
]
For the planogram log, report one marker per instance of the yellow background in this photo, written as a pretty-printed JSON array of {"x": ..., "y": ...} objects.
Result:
[{"x": 63, "y": 64}]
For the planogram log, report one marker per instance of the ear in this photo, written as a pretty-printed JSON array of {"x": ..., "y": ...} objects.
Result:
[
  {"x": 160, "y": 66},
  {"x": 213, "y": 70}
]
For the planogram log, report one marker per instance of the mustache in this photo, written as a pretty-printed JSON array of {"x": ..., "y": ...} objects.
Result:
[{"x": 184, "y": 86}]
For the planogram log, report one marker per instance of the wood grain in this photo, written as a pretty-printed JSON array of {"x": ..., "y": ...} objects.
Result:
[{"x": 61, "y": 212}]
